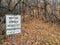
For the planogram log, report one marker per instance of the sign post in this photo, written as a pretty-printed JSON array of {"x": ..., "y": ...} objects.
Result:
[
  {"x": 13, "y": 39},
  {"x": 13, "y": 26}
]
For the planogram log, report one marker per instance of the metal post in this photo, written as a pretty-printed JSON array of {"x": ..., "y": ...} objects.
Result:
[{"x": 13, "y": 39}]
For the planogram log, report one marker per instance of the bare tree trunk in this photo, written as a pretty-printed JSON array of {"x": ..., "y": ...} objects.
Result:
[
  {"x": 0, "y": 1},
  {"x": 45, "y": 9},
  {"x": 23, "y": 12}
]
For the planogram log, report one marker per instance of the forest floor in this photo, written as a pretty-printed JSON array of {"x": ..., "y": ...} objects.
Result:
[{"x": 36, "y": 32}]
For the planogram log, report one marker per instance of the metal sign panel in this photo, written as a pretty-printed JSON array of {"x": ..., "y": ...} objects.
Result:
[{"x": 13, "y": 24}]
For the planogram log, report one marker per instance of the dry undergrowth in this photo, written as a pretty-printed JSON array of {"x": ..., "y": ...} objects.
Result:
[{"x": 36, "y": 32}]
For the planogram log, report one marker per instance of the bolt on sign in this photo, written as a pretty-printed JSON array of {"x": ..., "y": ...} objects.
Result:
[{"x": 13, "y": 24}]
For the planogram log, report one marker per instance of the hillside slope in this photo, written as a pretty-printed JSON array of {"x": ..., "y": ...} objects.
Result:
[{"x": 36, "y": 32}]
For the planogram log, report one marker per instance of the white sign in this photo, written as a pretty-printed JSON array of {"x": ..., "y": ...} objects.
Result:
[{"x": 13, "y": 24}]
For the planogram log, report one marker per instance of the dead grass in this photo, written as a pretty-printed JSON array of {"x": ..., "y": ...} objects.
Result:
[{"x": 36, "y": 32}]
